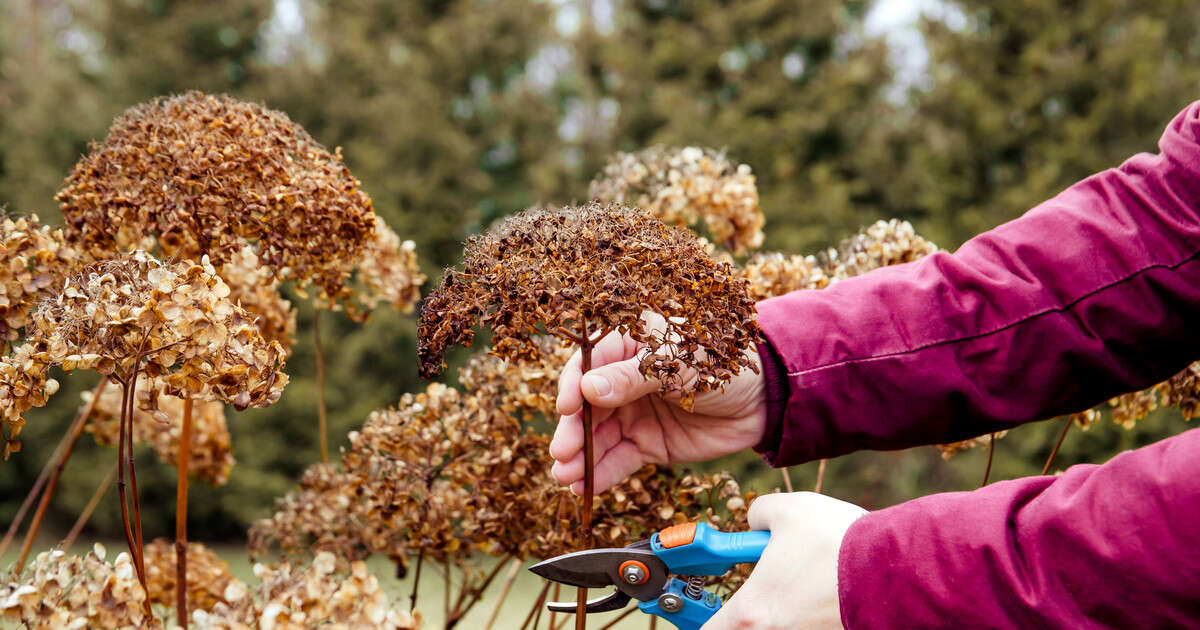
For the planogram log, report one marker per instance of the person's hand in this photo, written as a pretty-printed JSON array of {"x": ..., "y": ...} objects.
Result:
[
  {"x": 795, "y": 583},
  {"x": 634, "y": 425}
]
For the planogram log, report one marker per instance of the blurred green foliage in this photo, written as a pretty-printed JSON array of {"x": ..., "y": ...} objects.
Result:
[{"x": 456, "y": 112}]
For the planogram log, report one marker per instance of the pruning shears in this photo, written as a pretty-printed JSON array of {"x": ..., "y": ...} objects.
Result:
[{"x": 644, "y": 569}]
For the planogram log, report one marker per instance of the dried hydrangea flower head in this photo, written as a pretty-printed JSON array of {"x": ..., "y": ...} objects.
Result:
[
  {"x": 255, "y": 288},
  {"x": 773, "y": 274},
  {"x": 523, "y": 389},
  {"x": 33, "y": 260},
  {"x": 685, "y": 186},
  {"x": 205, "y": 174},
  {"x": 387, "y": 273},
  {"x": 134, "y": 314},
  {"x": 1183, "y": 391},
  {"x": 157, "y": 420},
  {"x": 581, "y": 272},
  {"x": 295, "y": 597},
  {"x": 208, "y": 580},
  {"x": 881, "y": 244},
  {"x": 61, "y": 591}
]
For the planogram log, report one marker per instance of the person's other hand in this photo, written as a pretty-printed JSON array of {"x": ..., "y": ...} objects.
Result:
[
  {"x": 795, "y": 583},
  {"x": 634, "y": 425}
]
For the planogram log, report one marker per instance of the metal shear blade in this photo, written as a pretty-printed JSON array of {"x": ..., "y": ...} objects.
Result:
[{"x": 598, "y": 568}]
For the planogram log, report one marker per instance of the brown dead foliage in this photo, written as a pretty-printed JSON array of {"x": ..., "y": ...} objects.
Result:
[{"x": 580, "y": 272}]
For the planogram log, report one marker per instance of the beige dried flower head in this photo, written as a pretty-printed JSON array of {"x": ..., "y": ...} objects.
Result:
[
  {"x": 33, "y": 260},
  {"x": 208, "y": 577},
  {"x": 580, "y": 272},
  {"x": 387, "y": 273},
  {"x": 62, "y": 591},
  {"x": 522, "y": 389},
  {"x": 133, "y": 314},
  {"x": 203, "y": 175},
  {"x": 950, "y": 450},
  {"x": 157, "y": 419},
  {"x": 255, "y": 288},
  {"x": 882, "y": 244},
  {"x": 773, "y": 274},
  {"x": 317, "y": 595},
  {"x": 687, "y": 186}
]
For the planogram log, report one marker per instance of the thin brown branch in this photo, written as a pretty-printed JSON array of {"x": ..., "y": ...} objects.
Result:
[
  {"x": 535, "y": 612},
  {"x": 987, "y": 472},
  {"x": 417, "y": 578},
  {"x": 72, "y": 438},
  {"x": 1061, "y": 436},
  {"x": 181, "y": 505},
  {"x": 589, "y": 476},
  {"x": 820, "y": 476},
  {"x": 476, "y": 593},
  {"x": 101, "y": 490},
  {"x": 787, "y": 480},
  {"x": 49, "y": 467},
  {"x": 321, "y": 430},
  {"x": 504, "y": 590},
  {"x": 621, "y": 616}
]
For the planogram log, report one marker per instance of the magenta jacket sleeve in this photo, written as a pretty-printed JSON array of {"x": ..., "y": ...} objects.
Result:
[
  {"x": 1112, "y": 546},
  {"x": 1092, "y": 293}
]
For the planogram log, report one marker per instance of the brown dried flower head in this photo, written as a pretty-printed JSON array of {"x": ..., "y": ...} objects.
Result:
[
  {"x": 208, "y": 577},
  {"x": 881, "y": 244},
  {"x": 61, "y": 591},
  {"x": 684, "y": 186},
  {"x": 33, "y": 260},
  {"x": 580, "y": 272},
  {"x": 773, "y": 274},
  {"x": 205, "y": 174},
  {"x": 157, "y": 419},
  {"x": 133, "y": 314}
]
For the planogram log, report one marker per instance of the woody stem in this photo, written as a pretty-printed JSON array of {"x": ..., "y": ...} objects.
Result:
[
  {"x": 181, "y": 505},
  {"x": 320, "y": 385},
  {"x": 72, "y": 438},
  {"x": 589, "y": 475},
  {"x": 1061, "y": 436}
]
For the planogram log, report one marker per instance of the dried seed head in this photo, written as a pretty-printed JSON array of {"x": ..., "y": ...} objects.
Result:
[
  {"x": 134, "y": 314},
  {"x": 208, "y": 577},
  {"x": 33, "y": 261},
  {"x": 687, "y": 186},
  {"x": 62, "y": 591},
  {"x": 203, "y": 175},
  {"x": 596, "y": 268}
]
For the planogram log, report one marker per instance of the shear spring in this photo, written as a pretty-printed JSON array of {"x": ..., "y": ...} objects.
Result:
[{"x": 695, "y": 587}]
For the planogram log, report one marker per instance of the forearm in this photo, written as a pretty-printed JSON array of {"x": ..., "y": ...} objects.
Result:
[
  {"x": 1090, "y": 294},
  {"x": 1112, "y": 546}
]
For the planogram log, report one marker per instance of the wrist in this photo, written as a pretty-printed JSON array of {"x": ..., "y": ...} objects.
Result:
[{"x": 775, "y": 393}]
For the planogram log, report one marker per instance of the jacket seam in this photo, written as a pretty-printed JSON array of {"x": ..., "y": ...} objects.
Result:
[{"x": 1030, "y": 317}]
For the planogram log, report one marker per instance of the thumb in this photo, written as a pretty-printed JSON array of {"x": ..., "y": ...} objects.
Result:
[{"x": 616, "y": 384}]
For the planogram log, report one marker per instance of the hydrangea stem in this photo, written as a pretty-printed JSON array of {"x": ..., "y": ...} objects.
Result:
[
  {"x": 40, "y": 483},
  {"x": 72, "y": 438},
  {"x": 504, "y": 590},
  {"x": 1061, "y": 436},
  {"x": 787, "y": 480},
  {"x": 987, "y": 472},
  {"x": 321, "y": 430},
  {"x": 181, "y": 504},
  {"x": 820, "y": 476},
  {"x": 589, "y": 474}
]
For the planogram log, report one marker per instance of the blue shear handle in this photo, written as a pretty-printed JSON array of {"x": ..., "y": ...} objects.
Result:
[
  {"x": 692, "y": 615},
  {"x": 711, "y": 552}
]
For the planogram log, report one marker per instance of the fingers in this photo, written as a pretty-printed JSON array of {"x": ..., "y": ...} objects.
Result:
[
  {"x": 617, "y": 384},
  {"x": 613, "y": 347},
  {"x": 768, "y": 509},
  {"x": 569, "y": 468},
  {"x": 619, "y": 462}
]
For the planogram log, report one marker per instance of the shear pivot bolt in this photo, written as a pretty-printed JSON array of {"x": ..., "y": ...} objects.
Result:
[
  {"x": 670, "y": 602},
  {"x": 633, "y": 574}
]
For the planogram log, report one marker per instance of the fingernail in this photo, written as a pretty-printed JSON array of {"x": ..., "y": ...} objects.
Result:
[{"x": 602, "y": 386}]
